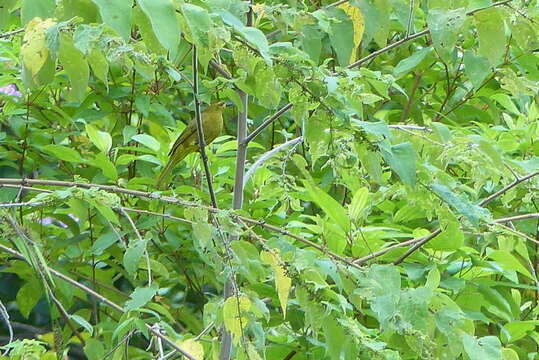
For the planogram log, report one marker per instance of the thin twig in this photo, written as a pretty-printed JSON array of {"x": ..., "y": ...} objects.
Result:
[
  {"x": 268, "y": 155},
  {"x": 4, "y": 314},
  {"x": 146, "y": 255},
  {"x": 11, "y": 33},
  {"x": 170, "y": 200},
  {"x": 217, "y": 67},
  {"x": 410, "y": 19},
  {"x": 268, "y": 121},
  {"x": 200, "y": 130},
  {"x": 517, "y": 217},
  {"x": 481, "y": 203},
  {"x": 410, "y": 127},
  {"x": 414, "y": 36},
  {"x": 507, "y": 188},
  {"x": 518, "y": 233}
]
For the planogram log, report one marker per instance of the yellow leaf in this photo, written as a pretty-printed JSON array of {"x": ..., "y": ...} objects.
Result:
[
  {"x": 193, "y": 347},
  {"x": 34, "y": 50},
  {"x": 359, "y": 26},
  {"x": 234, "y": 315},
  {"x": 282, "y": 281}
]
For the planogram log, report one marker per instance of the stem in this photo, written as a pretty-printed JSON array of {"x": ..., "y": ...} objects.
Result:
[
  {"x": 200, "y": 130},
  {"x": 267, "y": 122}
]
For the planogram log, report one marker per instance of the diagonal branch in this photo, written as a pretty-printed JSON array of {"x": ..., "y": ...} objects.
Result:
[
  {"x": 268, "y": 121},
  {"x": 484, "y": 202}
]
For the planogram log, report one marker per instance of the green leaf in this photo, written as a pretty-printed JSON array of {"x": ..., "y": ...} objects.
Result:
[
  {"x": 63, "y": 153},
  {"x": 37, "y": 8},
  {"x": 116, "y": 14},
  {"x": 132, "y": 257},
  {"x": 491, "y": 33},
  {"x": 410, "y": 63},
  {"x": 472, "y": 212},
  {"x": 334, "y": 334},
  {"x": 401, "y": 159},
  {"x": 507, "y": 261},
  {"x": 101, "y": 139},
  {"x": 99, "y": 65},
  {"x": 107, "y": 212},
  {"x": 252, "y": 35},
  {"x": 331, "y": 207},
  {"x": 162, "y": 15},
  {"x": 148, "y": 141},
  {"x": 140, "y": 297},
  {"x": 359, "y": 203},
  {"x": 485, "y": 348},
  {"x": 505, "y": 101},
  {"x": 235, "y": 312},
  {"x": 199, "y": 22},
  {"x": 102, "y": 162},
  {"x": 381, "y": 26},
  {"x": 311, "y": 41},
  {"x": 94, "y": 349},
  {"x": 82, "y": 322},
  {"x": 104, "y": 242},
  {"x": 28, "y": 297},
  {"x": 76, "y": 67},
  {"x": 341, "y": 34},
  {"x": 519, "y": 329},
  {"x": 444, "y": 26},
  {"x": 450, "y": 239},
  {"x": 476, "y": 68}
]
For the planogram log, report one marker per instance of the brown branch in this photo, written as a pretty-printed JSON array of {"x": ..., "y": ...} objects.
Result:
[
  {"x": 414, "y": 36},
  {"x": 410, "y": 101},
  {"x": 200, "y": 130},
  {"x": 507, "y": 188},
  {"x": 171, "y": 200},
  {"x": 267, "y": 122}
]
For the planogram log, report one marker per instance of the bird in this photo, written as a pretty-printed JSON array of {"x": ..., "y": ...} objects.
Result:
[{"x": 187, "y": 142}]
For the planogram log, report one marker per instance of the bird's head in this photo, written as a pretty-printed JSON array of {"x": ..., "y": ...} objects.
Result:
[{"x": 218, "y": 106}]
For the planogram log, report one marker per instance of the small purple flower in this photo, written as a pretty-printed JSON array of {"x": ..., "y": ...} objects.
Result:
[{"x": 10, "y": 90}]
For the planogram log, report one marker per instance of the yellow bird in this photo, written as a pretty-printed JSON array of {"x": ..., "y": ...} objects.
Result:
[{"x": 187, "y": 142}]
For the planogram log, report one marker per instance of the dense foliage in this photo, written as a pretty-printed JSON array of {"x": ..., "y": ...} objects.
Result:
[{"x": 388, "y": 208}]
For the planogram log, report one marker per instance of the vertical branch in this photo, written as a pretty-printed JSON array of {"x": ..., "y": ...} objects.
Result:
[
  {"x": 237, "y": 200},
  {"x": 200, "y": 130}
]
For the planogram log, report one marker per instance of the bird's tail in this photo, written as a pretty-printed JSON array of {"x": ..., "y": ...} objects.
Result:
[
  {"x": 172, "y": 162},
  {"x": 165, "y": 173}
]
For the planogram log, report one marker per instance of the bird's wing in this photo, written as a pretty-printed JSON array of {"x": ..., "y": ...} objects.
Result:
[{"x": 185, "y": 135}]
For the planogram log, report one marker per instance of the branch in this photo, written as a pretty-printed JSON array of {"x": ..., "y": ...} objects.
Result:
[
  {"x": 482, "y": 203},
  {"x": 412, "y": 37},
  {"x": 11, "y": 33},
  {"x": 410, "y": 127},
  {"x": 200, "y": 130},
  {"x": 268, "y": 121},
  {"x": 217, "y": 67},
  {"x": 516, "y": 218},
  {"x": 507, "y": 188},
  {"x": 9, "y": 182},
  {"x": 268, "y": 155}
]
